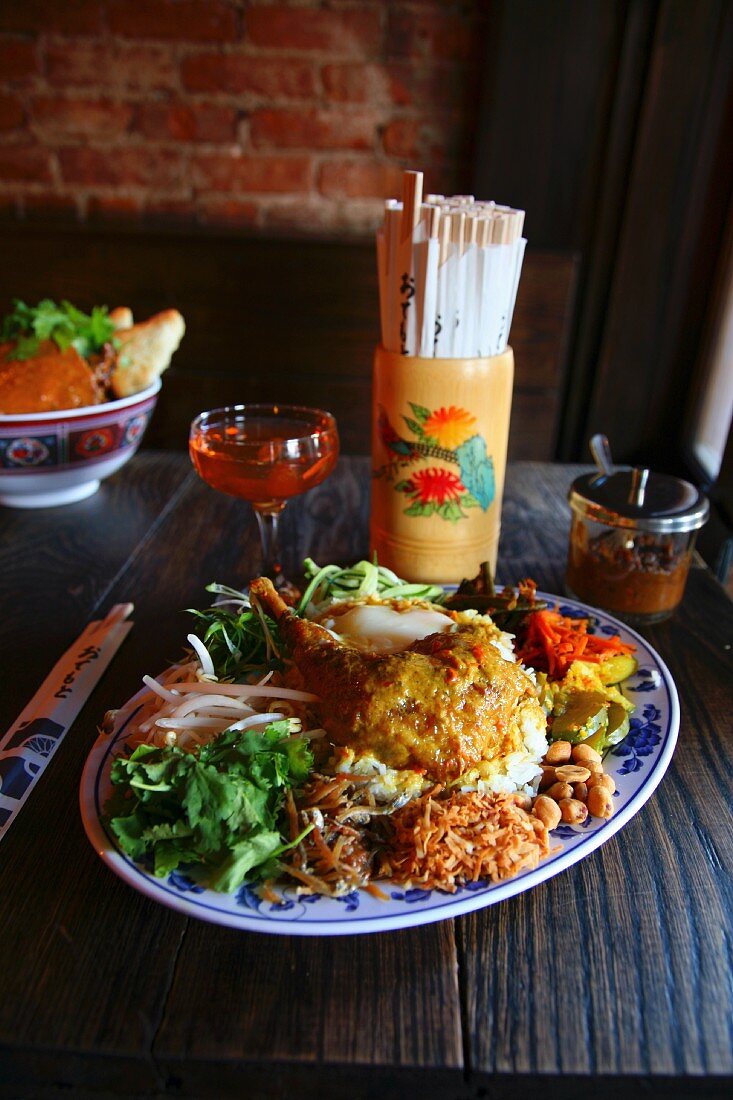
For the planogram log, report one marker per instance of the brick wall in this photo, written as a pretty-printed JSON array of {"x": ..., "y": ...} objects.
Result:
[{"x": 276, "y": 116}]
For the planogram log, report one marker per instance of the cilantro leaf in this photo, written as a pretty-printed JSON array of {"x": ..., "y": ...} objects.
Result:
[
  {"x": 220, "y": 808},
  {"x": 64, "y": 324}
]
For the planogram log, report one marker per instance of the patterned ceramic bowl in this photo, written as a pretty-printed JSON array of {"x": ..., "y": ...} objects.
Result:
[{"x": 59, "y": 457}]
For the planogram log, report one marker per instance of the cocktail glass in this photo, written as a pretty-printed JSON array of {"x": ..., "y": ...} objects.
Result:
[{"x": 265, "y": 454}]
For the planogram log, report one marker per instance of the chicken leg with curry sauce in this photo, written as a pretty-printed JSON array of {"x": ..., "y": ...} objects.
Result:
[{"x": 443, "y": 704}]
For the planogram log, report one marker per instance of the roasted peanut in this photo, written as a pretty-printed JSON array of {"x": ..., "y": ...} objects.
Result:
[
  {"x": 558, "y": 753},
  {"x": 522, "y": 800},
  {"x": 580, "y": 791},
  {"x": 593, "y": 768},
  {"x": 600, "y": 802},
  {"x": 585, "y": 755},
  {"x": 547, "y": 811},
  {"x": 573, "y": 812},
  {"x": 559, "y": 790},
  {"x": 571, "y": 773},
  {"x": 548, "y": 776},
  {"x": 604, "y": 781}
]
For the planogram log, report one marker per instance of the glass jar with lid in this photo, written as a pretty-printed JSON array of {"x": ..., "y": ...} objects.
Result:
[{"x": 631, "y": 541}]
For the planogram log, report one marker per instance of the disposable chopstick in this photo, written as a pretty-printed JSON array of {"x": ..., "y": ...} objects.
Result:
[
  {"x": 411, "y": 203},
  {"x": 392, "y": 224},
  {"x": 467, "y": 341},
  {"x": 428, "y": 256},
  {"x": 449, "y": 272},
  {"x": 27, "y": 747},
  {"x": 520, "y": 245},
  {"x": 457, "y": 290},
  {"x": 442, "y": 321},
  {"x": 504, "y": 256}
]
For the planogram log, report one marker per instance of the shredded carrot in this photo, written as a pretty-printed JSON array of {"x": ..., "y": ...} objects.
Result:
[{"x": 553, "y": 641}]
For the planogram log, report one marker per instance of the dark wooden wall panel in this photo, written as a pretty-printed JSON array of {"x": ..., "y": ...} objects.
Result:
[{"x": 278, "y": 320}]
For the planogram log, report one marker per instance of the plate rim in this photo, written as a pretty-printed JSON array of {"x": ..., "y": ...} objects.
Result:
[{"x": 157, "y": 890}]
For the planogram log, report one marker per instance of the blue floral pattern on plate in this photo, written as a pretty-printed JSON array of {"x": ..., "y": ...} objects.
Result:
[
  {"x": 637, "y": 766},
  {"x": 643, "y": 738}
]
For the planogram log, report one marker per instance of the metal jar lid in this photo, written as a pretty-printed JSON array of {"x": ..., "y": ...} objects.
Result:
[{"x": 640, "y": 499}]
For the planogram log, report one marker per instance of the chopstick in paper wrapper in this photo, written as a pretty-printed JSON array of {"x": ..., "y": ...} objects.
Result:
[
  {"x": 31, "y": 741},
  {"x": 452, "y": 263}
]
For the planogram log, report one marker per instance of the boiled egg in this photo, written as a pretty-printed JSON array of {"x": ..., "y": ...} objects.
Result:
[{"x": 379, "y": 628}]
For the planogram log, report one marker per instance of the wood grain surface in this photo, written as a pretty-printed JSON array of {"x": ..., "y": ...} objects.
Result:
[{"x": 616, "y": 973}]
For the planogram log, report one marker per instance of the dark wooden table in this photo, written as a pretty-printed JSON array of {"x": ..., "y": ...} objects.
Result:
[{"x": 613, "y": 975}]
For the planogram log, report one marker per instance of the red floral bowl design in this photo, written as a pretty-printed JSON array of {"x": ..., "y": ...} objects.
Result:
[{"x": 60, "y": 457}]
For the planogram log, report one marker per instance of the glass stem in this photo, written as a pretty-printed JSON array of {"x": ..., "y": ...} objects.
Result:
[{"x": 268, "y": 525}]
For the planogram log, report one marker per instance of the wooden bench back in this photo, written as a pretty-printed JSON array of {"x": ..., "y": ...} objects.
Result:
[{"x": 283, "y": 320}]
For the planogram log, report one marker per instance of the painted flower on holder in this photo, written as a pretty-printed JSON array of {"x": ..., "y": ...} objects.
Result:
[
  {"x": 449, "y": 435},
  {"x": 435, "y": 486},
  {"x": 450, "y": 427}
]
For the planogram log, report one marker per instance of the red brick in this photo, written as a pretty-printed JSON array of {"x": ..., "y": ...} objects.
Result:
[
  {"x": 18, "y": 59},
  {"x": 360, "y": 179},
  {"x": 116, "y": 65},
  {"x": 187, "y": 122},
  {"x": 313, "y": 129},
  {"x": 319, "y": 218},
  {"x": 236, "y": 73},
  {"x": 11, "y": 112},
  {"x": 59, "y": 16},
  {"x": 182, "y": 20},
  {"x": 421, "y": 85},
  {"x": 251, "y": 174},
  {"x": 120, "y": 167},
  {"x": 349, "y": 83},
  {"x": 401, "y": 84},
  {"x": 225, "y": 211},
  {"x": 301, "y": 217},
  {"x": 445, "y": 36},
  {"x": 352, "y": 33},
  {"x": 417, "y": 139},
  {"x": 24, "y": 164},
  {"x": 97, "y": 117}
]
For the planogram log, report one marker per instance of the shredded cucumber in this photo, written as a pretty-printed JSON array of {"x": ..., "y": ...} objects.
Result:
[{"x": 357, "y": 581}]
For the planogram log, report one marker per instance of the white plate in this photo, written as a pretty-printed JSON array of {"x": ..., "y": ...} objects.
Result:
[{"x": 637, "y": 766}]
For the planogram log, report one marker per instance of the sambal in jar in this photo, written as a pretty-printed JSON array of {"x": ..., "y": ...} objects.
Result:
[{"x": 631, "y": 541}]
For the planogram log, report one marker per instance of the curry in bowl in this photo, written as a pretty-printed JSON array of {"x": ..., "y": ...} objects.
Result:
[{"x": 55, "y": 357}]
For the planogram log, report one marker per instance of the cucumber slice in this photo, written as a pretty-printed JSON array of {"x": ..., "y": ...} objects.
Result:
[
  {"x": 579, "y": 716},
  {"x": 614, "y": 669},
  {"x": 619, "y": 723}
]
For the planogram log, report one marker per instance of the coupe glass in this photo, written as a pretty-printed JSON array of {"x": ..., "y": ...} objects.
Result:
[{"x": 265, "y": 454}]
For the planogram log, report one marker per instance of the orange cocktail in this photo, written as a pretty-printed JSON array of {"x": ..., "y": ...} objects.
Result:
[{"x": 265, "y": 454}]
